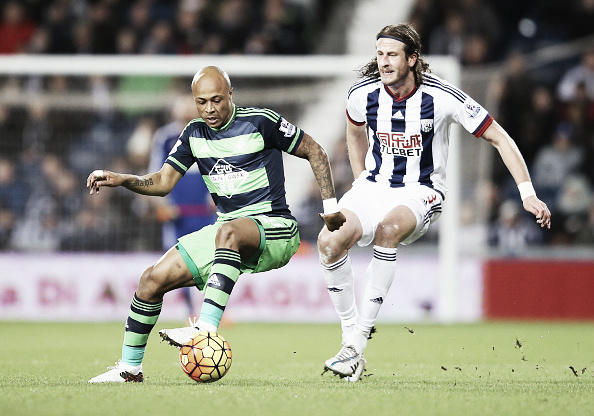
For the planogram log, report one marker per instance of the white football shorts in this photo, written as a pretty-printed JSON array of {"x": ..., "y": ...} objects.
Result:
[{"x": 371, "y": 201}]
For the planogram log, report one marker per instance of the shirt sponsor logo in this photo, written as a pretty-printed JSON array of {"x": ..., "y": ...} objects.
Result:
[
  {"x": 400, "y": 144},
  {"x": 227, "y": 178}
]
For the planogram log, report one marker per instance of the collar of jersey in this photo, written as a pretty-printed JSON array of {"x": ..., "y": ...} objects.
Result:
[
  {"x": 228, "y": 123},
  {"x": 399, "y": 99}
]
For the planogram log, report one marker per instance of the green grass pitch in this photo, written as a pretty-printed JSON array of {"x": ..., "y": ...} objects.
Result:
[{"x": 422, "y": 369}]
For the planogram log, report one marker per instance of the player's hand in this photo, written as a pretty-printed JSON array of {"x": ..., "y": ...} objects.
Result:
[
  {"x": 99, "y": 178},
  {"x": 539, "y": 209},
  {"x": 333, "y": 221}
]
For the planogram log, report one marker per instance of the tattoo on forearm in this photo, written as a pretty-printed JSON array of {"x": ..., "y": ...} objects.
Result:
[
  {"x": 320, "y": 166},
  {"x": 143, "y": 182},
  {"x": 323, "y": 174}
]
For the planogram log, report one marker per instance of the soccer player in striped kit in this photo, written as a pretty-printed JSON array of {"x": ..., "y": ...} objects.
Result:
[
  {"x": 238, "y": 151},
  {"x": 398, "y": 122}
]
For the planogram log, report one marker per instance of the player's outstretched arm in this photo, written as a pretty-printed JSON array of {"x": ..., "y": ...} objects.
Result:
[
  {"x": 498, "y": 137},
  {"x": 158, "y": 183},
  {"x": 318, "y": 159}
]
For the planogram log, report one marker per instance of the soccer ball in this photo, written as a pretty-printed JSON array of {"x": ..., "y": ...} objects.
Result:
[{"x": 206, "y": 357}]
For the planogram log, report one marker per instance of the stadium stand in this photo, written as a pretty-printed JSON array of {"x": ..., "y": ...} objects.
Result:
[{"x": 530, "y": 64}]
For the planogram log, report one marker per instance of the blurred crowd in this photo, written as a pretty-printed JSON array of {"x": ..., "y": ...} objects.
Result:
[
  {"x": 548, "y": 110},
  {"x": 553, "y": 126},
  {"x": 160, "y": 26},
  {"x": 484, "y": 31},
  {"x": 46, "y": 151}
]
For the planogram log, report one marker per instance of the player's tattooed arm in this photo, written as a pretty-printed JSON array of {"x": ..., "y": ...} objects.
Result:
[
  {"x": 158, "y": 183},
  {"x": 318, "y": 159}
]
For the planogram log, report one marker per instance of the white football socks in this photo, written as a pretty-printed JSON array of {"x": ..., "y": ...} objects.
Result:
[
  {"x": 340, "y": 281},
  {"x": 376, "y": 284}
]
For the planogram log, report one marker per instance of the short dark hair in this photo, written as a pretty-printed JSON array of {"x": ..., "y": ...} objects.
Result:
[{"x": 412, "y": 41}]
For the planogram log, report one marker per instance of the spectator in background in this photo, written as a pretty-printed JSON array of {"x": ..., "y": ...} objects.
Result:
[
  {"x": 449, "y": 37},
  {"x": 58, "y": 24},
  {"x": 16, "y": 29},
  {"x": 54, "y": 201},
  {"x": 39, "y": 42},
  {"x": 82, "y": 38},
  {"x": 516, "y": 95},
  {"x": 37, "y": 132},
  {"x": 127, "y": 42},
  {"x": 481, "y": 22},
  {"x": 189, "y": 27},
  {"x": 139, "y": 19},
  {"x": 514, "y": 107},
  {"x": 424, "y": 17},
  {"x": 513, "y": 232},
  {"x": 104, "y": 24},
  {"x": 7, "y": 222},
  {"x": 580, "y": 113},
  {"x": 138, "y": 148},
  {"x": 233, "y": 21},
  {"x": 14, "y": 192},
  {"x": 580, "y": 74},
  {"x": 282, "y": 28},
  {"x": 11, "y": 143},
  {"x": 476, "y": 50},
  {"x": 574, "y": 205},
  {"x": 555, "y": 163},
  {"x": 539, "y": 123},
  {"x": 160, "y": 40}
]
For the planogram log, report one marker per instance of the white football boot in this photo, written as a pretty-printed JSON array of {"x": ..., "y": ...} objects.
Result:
[
  {"x": 345, "y": 362},
  {"x": 120, "y": 373},
  {"x": 178, "y": 336},
  {"x": 356, "y": 376}
]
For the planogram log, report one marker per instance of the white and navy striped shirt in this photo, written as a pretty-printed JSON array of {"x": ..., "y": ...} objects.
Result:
[{"x": 409, "y": 136}]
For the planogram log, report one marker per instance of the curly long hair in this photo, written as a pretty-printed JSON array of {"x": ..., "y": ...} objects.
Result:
[{"x": 412, "y": 41}]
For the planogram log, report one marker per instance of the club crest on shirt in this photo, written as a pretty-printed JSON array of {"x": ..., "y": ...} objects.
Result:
[
  {"x": 227, "y": 178},
  {"x": 426, "y": 125},
  {"x": 472, "y": 108}
]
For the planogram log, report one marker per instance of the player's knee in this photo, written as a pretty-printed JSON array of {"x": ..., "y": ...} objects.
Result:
[
  {"x": 325, "y": 239},
  {"x": 390, "y": 234},
  {"x": 330, "y": 247},
  {"x": 227, "y": 236}
]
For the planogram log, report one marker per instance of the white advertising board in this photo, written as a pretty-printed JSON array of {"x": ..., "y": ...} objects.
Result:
[{"x": 99, "y": 287}]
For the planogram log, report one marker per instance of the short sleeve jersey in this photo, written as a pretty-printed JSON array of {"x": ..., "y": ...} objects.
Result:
[
  {"x": 241, "y": 163},
  {"x": 409, "y": 136}
]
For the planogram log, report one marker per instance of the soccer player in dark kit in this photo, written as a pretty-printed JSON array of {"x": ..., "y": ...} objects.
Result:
[{"x": 238, "y": 151}]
